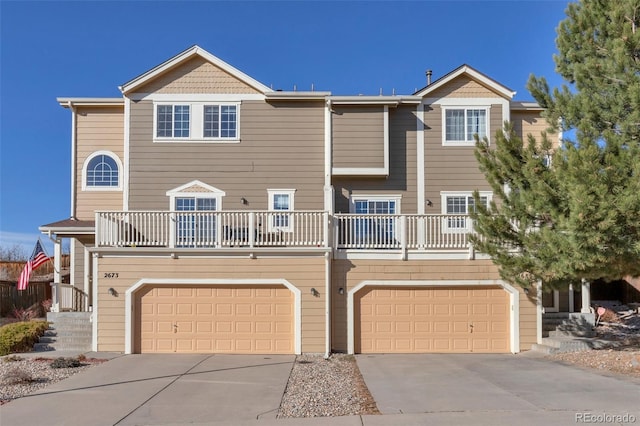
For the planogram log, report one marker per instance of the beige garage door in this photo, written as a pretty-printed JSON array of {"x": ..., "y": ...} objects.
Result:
[
  {"x": 215, "y": 319},
  {"x": 439, "y": 320}
]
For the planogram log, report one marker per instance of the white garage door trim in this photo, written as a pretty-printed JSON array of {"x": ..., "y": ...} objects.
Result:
[
  {"x": 514, "y": 303},
  {"x": 297, "y": 311}
]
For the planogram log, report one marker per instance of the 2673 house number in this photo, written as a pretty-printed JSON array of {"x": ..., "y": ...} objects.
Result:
[{"x": 111, "y": 275}]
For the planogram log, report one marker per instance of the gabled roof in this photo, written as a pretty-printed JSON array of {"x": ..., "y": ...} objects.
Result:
[
  {"x": 472, "y": 73},
  {"x": 195, "y": 186},
  {"x": 184, "y": 56}
]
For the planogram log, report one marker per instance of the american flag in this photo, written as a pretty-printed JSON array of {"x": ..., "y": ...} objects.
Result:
[{"x": 37, "y": 258}]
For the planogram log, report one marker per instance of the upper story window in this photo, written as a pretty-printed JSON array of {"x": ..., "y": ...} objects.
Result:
[
  {"x": 173, "y": 121},
  {"x": 376, "y": 227},
  {"x": 374, "y": 206},
  {"x": 281, "y": 200},
  {"x": 220, "y": 121},
  {"x": 196, "y": 122},
  {"x": 101, "y": 171},
  {"x": 461, "y": 124},
  {"x": 194, "y": 222},
  {"x": 459, "y": 205}
]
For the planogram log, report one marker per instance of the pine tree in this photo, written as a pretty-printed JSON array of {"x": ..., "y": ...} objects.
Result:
[
  {"x": 518, "y": 229},
  {"x": 580, "y": 217},
  {"x": 599, "y": 57}
]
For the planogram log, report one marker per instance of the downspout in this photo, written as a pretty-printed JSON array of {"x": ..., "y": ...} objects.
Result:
[
  {"x": 328, "y": 296},
  {"x": 328, "y": 207},
  {"x": 125, "y": 166},
  {"x": 73, "y": 158}
]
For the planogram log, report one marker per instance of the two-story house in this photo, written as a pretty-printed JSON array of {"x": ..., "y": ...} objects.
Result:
[{"x": 210, "y": 213}]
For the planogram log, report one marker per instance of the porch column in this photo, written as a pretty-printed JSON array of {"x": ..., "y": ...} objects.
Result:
[
  {"x": 586, "y": 297},
  {"x": 571, "y": 301},
  {"x": 57, "y": 260},
  {"x": 87, "y": 276},
  {"x": 539, "y": 312}
]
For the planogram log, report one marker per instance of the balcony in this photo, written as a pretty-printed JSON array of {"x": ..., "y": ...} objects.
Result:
[
  {"x": 211, "y": 229},
  {"x": 295, "y": 229},
  {"x": 402, "y": 232}
]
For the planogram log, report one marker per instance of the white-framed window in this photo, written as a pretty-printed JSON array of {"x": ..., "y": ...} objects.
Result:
[
  {"x": 101, "y": 171},
  {"x": 220, "y": 121},
  {"x": 460, "y": 124},
  {"x": 197, "y": 122},
  {"x": 381, "y": 228},
  {"x": 193, "y": 224},
  {"x": 173, "y": 121},
  {"x": 457, "y": 206},
  {"x": 194, "y": 227},
  {"x": 281, "y": 201}
]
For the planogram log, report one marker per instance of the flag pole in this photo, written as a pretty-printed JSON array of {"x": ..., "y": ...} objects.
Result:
[{"x": 47, "y": 254}]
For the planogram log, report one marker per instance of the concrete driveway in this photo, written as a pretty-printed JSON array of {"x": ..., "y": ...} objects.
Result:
[
  {"x": 160, "y": 389},
  {"x": 246, "y": 390},
  {"x": 494, "y": 389}
]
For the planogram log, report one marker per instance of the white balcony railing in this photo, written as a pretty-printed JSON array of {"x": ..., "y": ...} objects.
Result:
[
  {"x": 211, "y": 229},
  {"x": 407, "y": 232}
]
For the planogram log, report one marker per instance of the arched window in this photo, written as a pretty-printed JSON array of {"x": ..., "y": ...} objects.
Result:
[{"x": 102, "y": 171}]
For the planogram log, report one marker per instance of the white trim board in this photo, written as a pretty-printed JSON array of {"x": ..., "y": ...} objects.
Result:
[
  {"x": 195, "y": 97},
  {"x": 129, "y": 314},
  {"x": 514, "y": 303}
]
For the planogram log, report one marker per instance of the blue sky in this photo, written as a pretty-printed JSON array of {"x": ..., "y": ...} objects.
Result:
[{"x": 87, "y": 49}]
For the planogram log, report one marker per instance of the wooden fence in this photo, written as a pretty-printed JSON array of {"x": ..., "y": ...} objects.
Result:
[
  {"x": 11, "y": 298},
  {"x": 10, "y": 270}
]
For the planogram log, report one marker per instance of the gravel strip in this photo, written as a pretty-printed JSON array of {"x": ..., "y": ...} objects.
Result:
[
  {"x": 25, "y": 376},
  {"x": 321, "y": 387},
  {"x": 624, "y": 361}
]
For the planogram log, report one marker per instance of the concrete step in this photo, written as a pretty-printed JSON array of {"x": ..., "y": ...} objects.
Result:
[
  {"x": 544, "y": 349},
  {"x": 570, "y": 332},
  {"x": 44, "y": 347},
  {"x": 567, "y": 344},
  {"x": 65, "y": 329},
  {"x": 68, "y": 314},
  {"x": 70, "y": 322},
  {"x": 68, "y": 339},
  {"x": 69, "y": 332}
]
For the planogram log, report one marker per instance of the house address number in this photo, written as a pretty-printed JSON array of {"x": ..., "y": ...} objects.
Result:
[{"x": 111, "y": 275}]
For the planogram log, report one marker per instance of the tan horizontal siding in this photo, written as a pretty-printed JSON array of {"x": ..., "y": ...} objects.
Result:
[
  {"x": 452, "y": 168},
  {"x": 531, "y": 123},
  {"x": 463, "y": 87},
  {"x": 358, "y": 136},
  {"x": 402, "y": 166},
  {"x": 97, "y": 200},
  {"x": 277, "y": 158},
  {"x": 304, "y": 273},
  {"x": 97, "y": 129},
  {"x": 196, "y": 76},
  {"x": 528, "y": 321}
]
